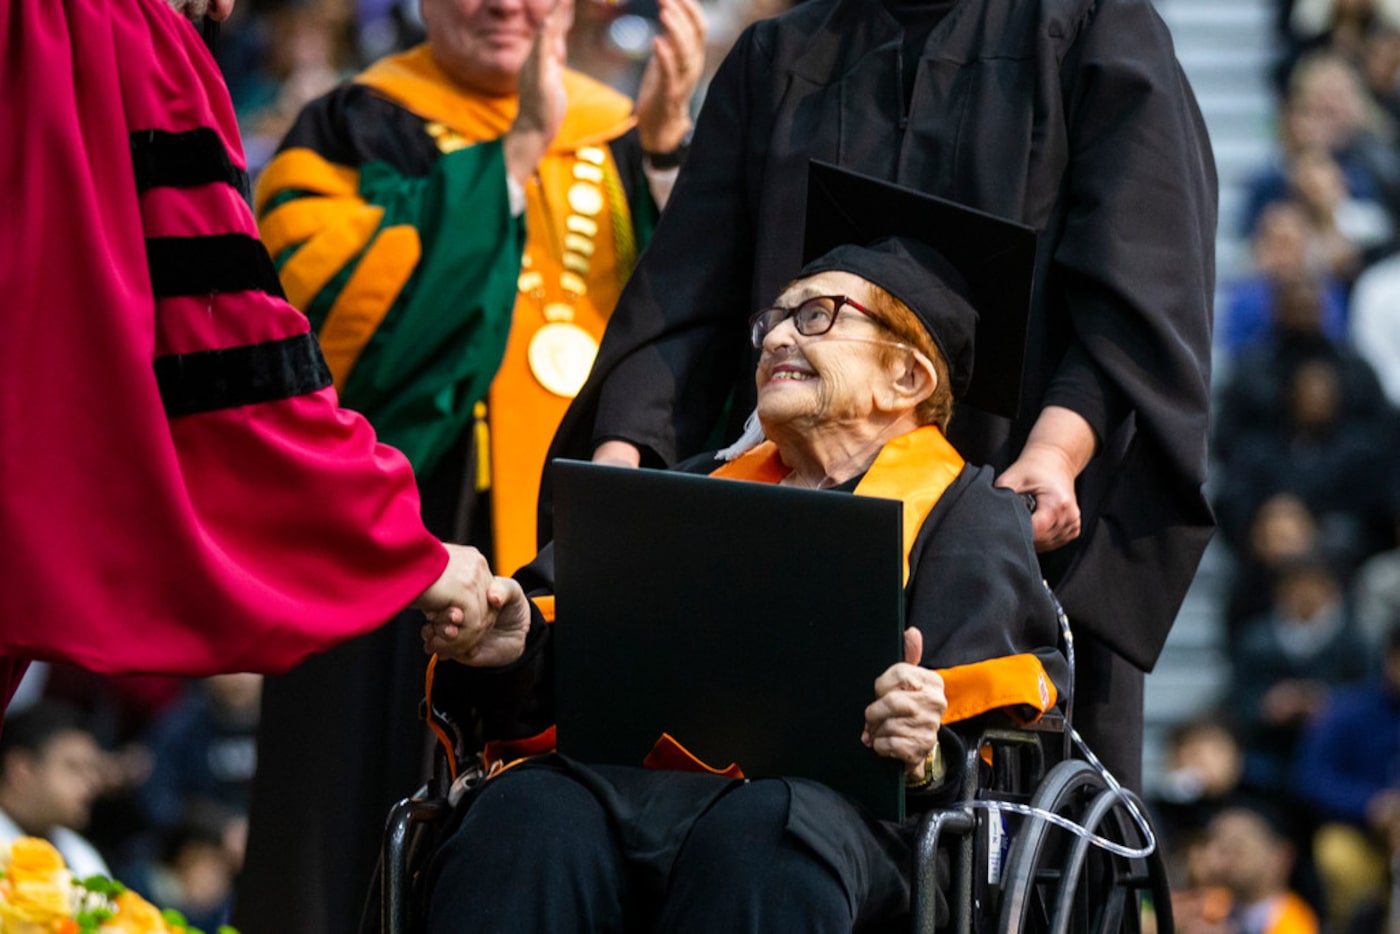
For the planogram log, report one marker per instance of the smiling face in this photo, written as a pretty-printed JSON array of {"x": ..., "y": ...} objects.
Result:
[
  {"x": 840, "y": 377},
  {"x": 482, "y": 44}
]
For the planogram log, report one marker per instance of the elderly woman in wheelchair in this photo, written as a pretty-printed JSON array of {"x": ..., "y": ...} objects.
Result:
[{"x": 861, "y": 358}]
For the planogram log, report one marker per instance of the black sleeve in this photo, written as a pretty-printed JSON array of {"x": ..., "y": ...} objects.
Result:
[
  {"x": 1135, "y": 261},
  {"x": 975, "y": 589}
]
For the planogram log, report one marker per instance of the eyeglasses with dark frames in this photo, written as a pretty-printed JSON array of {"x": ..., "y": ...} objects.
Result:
[{"x": 812, "y": 317}]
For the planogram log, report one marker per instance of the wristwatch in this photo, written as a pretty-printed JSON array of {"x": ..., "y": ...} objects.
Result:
[
  {"x": 668, "y": 160},
  {"x": 933, "y": 771}
]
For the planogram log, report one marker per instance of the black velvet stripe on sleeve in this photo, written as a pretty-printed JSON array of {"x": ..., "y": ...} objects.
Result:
[
  {"x": 184, "y": 160},
  {"x": 230, "y": 262},
  {"x": 209, "y": 380}
]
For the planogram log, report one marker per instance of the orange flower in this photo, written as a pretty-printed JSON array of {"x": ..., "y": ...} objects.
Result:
[
  {"x": 31, "y": 857},
  {"x": 135, "y": 915},
  {"x": 39, "y": 888}
]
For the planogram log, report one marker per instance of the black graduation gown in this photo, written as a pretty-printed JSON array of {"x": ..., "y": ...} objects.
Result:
[
  {"x": 1068, "y": 115},
  {"x": 974, "y": 590}
]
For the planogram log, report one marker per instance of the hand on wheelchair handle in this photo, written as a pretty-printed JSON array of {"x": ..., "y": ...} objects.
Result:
[{"x": 1045, "y": 484}]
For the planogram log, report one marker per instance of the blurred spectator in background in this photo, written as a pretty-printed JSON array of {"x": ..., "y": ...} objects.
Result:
[
  {"x": 1338, "y": 467},
  {"x": 1348, "y": 771},
  {"x": 1343, "y": 26},
  {"x": 1282, "y": 531},
  {"x": 309, "y": 50},
  {"x": 1256, "y": 398},
  {"x": 1249, "y": 855},
  {"x": 1281, "y": 247},
  {"x": 1347, "y": 230},
  {"x": 1380, "y": 69},
  {"x": 1289, "y": 661},
  {"x": 204, "y": 755},
  {"x": 1326, "y": 108},
  {"x": 1376, "y": 594},
  {"x": 1204, "y": 766},
  {"x": 192, "y": 873},
  {"x": 50, "y": 774},
  {"x": 1375, "y": 323}
]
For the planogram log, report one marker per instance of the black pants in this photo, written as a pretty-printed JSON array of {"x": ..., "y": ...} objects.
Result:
[{"x": 538, "y": 851}]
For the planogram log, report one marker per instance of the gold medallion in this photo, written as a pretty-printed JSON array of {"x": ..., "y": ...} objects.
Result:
[
  {"x": 561, "y": 354},
  {"x": 585, "y": 198}
]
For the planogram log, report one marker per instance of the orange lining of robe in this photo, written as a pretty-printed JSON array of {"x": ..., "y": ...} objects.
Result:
[
  {"x": 302, "y": 169},
  {"x": 316, "y": 262},
  {"x": 298, "y": 221},
  {"x": 360, "y": 307},
  {"x": 668, "y": 753},
  {"x": 1010, "y": 681}
]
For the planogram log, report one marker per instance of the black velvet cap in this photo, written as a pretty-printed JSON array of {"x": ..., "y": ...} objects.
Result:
[{"x": 965, "y": 274}]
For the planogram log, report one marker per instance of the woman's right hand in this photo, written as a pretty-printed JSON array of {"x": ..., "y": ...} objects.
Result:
[{"x": 904, "y": 720}]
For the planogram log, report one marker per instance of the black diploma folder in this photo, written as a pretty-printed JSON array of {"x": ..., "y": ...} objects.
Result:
[{"x": 747, "y": 620}]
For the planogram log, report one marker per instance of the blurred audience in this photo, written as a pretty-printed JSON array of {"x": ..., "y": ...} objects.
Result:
[
  {"x": 1328, "y": 110},
  {"x": 1376, "y": 594},
  {"x": 1375, "y": 323},
  {"x": 193, "y": 873},
  {"x": 1282, "y": 531},
  {"x": 1204, "y": 766},
  {"x": 204, "y": 752},
  {"x": 1243, "y": 886},
  {"x": 1282, "y": 245},
  {"x": 50, "y": 774},
  {"x": 1338, "y": 467},
  {"x": 1289, "y": 661},
  {"x": 1348, "y": 771}
]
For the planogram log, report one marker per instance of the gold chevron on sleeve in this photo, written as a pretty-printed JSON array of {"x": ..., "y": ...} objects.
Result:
[
  {"x": 308, "y": 270},
  {"x": 300, "y": 220},
  {"x": 301, "y": 169},
  {"x": 362, "y": 304}
]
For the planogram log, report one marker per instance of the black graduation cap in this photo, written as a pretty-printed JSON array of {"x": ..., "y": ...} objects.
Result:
[{"x": 964, "y": 273}]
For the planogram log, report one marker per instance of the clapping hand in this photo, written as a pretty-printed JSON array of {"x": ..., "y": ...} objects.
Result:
[
  {"x": 474, "y": 616},
  {"x": 677, "y": 60},
  {"x": 541, "y": 95},
  {"x": 909, "y": 705}
]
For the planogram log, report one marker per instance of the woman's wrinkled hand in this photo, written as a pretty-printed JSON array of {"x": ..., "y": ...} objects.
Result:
[
  {"x": 903, "y": 721},
  {"x": 474, "y": 616}
]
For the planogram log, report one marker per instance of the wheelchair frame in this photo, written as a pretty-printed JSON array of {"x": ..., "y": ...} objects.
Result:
[
  {"x": 1047, "y": 881},
  {"x": 1036, "y": 878}
]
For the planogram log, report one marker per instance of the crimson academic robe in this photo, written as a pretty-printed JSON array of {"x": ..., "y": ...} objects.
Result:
[
  {"x": 179, "y": 492},
  {"x": 1070, "y": 116}
]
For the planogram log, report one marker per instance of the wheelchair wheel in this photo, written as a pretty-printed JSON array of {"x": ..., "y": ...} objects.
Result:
[{"x": 1059, "y": 883}]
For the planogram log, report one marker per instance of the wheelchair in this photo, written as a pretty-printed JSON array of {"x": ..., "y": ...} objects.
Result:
[{"x": 1038, "y": 842}]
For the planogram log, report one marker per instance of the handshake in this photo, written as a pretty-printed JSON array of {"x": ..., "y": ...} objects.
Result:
[{"x": 474, "y": 616}]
